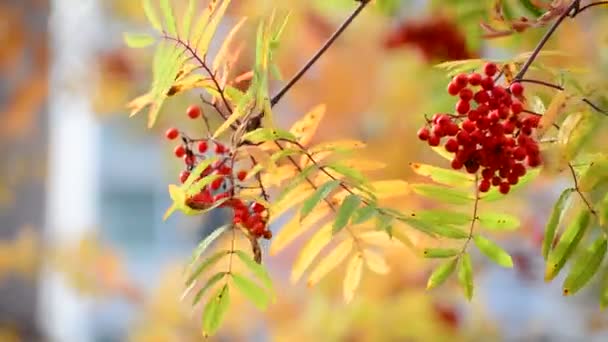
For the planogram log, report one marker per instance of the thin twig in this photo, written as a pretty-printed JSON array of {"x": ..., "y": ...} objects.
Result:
[
  {"x": 593, "y": 4},
  {"x": 578, "y": 190},
  {"x": 558, "y": 87},
  {"x": 204, "y": 65},
  {"x": 473, "y": 219},
  {"x": 544, "y": 40},
  {"x": 275, "y": 99}
]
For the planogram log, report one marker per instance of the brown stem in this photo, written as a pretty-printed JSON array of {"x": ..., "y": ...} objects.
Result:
[
  {"x": 544, "y": 40},
  {"x": 578, "y": 190},
  {"x": 593, "y": 4},
  {"x": 275, "y": 99}
]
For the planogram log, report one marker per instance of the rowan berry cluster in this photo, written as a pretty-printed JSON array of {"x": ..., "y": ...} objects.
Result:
[
  {"x": 251, "y": 215},
  {"x": 489, "y": 132}
]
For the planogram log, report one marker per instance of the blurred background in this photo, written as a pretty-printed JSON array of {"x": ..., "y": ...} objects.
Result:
[{"x": 85, "y": 255}]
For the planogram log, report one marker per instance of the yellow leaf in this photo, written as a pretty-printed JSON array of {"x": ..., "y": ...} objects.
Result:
[
  {"x": 294, "y": 228},
  {"x": 305, "y": 128},
  {"x": 352, "y": 279},
  {"x": 364, "y": 164},
  {"x": 331, "y": 261},
  {"x": 281, "y": 174},
  {"x": 375, "y": 262},
  {"x": 347, "y": 144},
  {"x": 390, "y": 188},
  {"x": 555, "y": 108},
  {"x": 221, "y": 55},
  {"x": 295, "y": 197},
  {"x": 310, "y": 251},
  {"x": 380, "y": 239}
]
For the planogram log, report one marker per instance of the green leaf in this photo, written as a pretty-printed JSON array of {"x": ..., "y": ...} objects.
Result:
[
  {"x": 494, "y": 194},
  {"x": 566, "y": 245},
  {"x": 264, "y": 134},
  {"x": 574, "y": 132},
  {"x": 136, "y": 41},
  {"x": 603, "y": 216},
  {"x": 440, "y": 252},
  {"x": 285, "y": 153},
  {"x": 553, "y": 221},
  {"x": 167, "y": 11},
  {"x": 321, "y": 193},
  {"x": 348, "y": 172},
  {"x": 215, "y": 311},
  {"x": 241, "y": 110},
  {"x": 441, "y": 193},
  {"x": 208, "y": 241},
  {"x": 493, "y": 251},
  {"x": 604, "y": 293},
  {"x": 151, "y": 15},
  {"x": 532, "y": 9},
  {"x": 436, "y": 229},
  {"x": 498, "y": 221},
  {"x": 441, "y": 274},
  {"x": 210, "y": 283},
  {"x": 364, "y": 214},
  {"x": 204, "y": 38},
  {"x": 212, "y": 260},
  {"x": 442, "y": 217},
  {"x": 252, "y": 291},
  {"x": 585, "y": 267},
  {"x": 384, "y": 223},
  {"x": 187, "y": 19},
  {"x": 295, "y": 182},
  {"x": 595, "y": 173},
  {"x": 347, "y": 209},
  {"x": 255, "y": 268},
  {"x": 444, "y": 176},
  {"x": 465, "y": 275}
]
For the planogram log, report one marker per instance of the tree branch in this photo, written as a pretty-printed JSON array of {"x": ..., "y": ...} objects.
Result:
[
  {"x": 275, "y": 99},
  {"x": 544, "y": 40}
]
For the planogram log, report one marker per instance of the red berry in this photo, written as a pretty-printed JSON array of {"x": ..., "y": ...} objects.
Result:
[
  {"x": 466, "y": 94},
  {"x": 461, "y": 80},
  {"x": 451, "y": 145},
  {"x": 484, "y": 185},
  {"x": 438, "y": 131},
  {"x": 512, "y": 179},
  {"x": 481, "y": 97},
  {"x": 517, "y": 107},
  {"x": 434, "y": 140},
  {"x": 183, "y": 176},
  {"x": 504, "y": 188},
  {"x": 258, "y": 207},
  {"x": 468, "y": 126},
  {"x": 534, "y": 161},
  {"x": 219, "y": 148},
  {"x": 490, "y": 69},
  {"x": 189, "y": 159},
  {"x": 474, "y": 79},
  {"x": 452, "y": 129},
  {"x": 453, "y": 88},
  {"x": 423, "y": 134},
  {"x": 267, "y": 235},
  {"x": 241, "y": 175},
  {"x": 487, "y": 83},
  {"x": 456, "y": 164},
  {"x": 172, "y": 133},
  {"x": 193, "y": 111},
  {"x": 495, "y": 180},
  {"x": 217, "y": 183},
  {"x": 462, "y": 107},
  {"x": 519, "y": 153},
  {"x": 519, "y": 170},
  {"x": 179, "y": 151},
  {"x": 516, "y": 89},
  {"x": 202, "y": 146}
]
